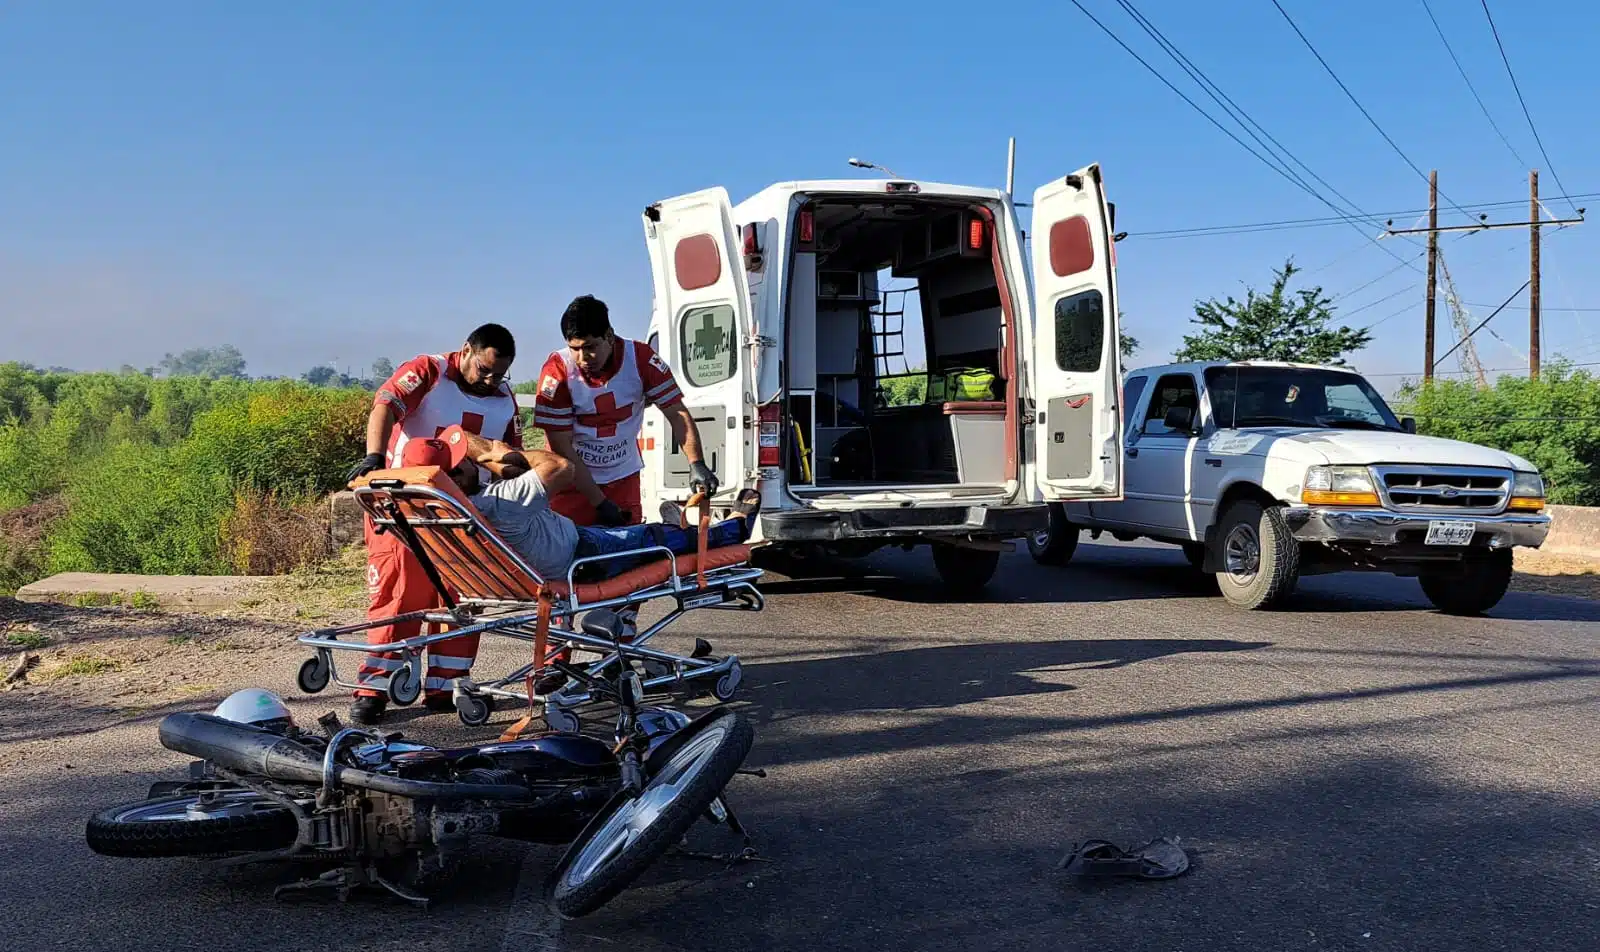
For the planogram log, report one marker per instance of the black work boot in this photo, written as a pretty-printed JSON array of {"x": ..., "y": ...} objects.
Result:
[{"x": 368, "y": 709}]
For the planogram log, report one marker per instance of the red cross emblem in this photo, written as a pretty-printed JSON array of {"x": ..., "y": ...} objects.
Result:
[{"x": 606, "y": 415}]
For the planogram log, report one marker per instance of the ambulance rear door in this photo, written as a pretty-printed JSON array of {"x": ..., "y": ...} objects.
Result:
[
  {"x": 703, "y": 315},
  {"x": 1075, "y": 366}
]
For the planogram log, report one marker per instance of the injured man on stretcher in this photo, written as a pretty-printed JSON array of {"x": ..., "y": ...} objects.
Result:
[{"x": 516, "y": 503}]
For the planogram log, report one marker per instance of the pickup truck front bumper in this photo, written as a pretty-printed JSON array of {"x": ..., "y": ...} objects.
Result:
[{"x": 1383, "y": 527}]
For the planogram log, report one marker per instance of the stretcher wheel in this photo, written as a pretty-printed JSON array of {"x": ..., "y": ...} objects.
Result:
[
  {"x": 728, "y": 684},
  {"x": 473, "y": 711},
  {"x": 314, "y": 674},
  {"x": 561, "y": 720},
  {"x": 405, "y": 685}
]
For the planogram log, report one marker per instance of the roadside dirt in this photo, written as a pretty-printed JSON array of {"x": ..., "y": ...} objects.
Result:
[{"x": 1551, "y": 574}]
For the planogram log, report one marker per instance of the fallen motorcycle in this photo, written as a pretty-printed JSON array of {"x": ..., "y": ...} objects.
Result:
[{"x": 397, "y": 815}]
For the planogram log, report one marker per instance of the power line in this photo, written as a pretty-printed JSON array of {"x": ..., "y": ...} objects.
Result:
[
  {"x": 1462, "y": 70},
  {"x": 1495, "y": 370},
  {"x": 1398, "y": 151},
  {"x": 1234, "y": 110},
  {"x": 1486, "y": 320},
  {"x": 1201, "y": 231},
  {"x": 1387, "y": 297},
  {"x": 1225, "y": 131},
  {"x": 1526, "y": 115},
  {"x": 1377, "y": 279}
]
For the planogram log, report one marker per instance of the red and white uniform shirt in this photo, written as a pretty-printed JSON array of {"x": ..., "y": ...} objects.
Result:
[
  {"x": 604, "y": 412},
  {"x": 427, "y": 396}
]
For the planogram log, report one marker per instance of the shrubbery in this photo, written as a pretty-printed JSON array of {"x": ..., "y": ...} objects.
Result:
[
  {"x": 1553, "y": 422},
  {"x": 181, "y": 475}
]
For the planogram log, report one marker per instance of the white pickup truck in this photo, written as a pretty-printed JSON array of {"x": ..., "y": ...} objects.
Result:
[{"x": 1264, "y": 472}]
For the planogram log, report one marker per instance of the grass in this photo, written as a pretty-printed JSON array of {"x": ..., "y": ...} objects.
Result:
[
  {"x": 26, "y": 640},
  {"x": 143, "y": 601},
  {"x": 86, "y": 666}
]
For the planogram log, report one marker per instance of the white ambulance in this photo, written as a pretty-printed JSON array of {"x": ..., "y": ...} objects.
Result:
[{"x": 781, "y": 322}]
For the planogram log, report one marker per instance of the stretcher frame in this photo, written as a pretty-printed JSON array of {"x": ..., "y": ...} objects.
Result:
[{"x": 481, "y": 597}]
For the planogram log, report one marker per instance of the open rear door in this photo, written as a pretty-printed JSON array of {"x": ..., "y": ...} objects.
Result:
[
  {"x": 1076, "y": 368},
  {"x": 702, "y": 303}
]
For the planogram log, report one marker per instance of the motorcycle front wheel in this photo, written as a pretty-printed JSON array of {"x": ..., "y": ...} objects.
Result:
[
  {"x": 631, "y": 832},
  {"x": 192, "y": 824}
]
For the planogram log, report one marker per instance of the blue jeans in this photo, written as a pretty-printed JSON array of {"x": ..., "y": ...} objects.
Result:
[{"x": 604, "y": 540}]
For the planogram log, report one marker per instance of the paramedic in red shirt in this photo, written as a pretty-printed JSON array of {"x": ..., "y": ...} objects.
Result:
[
  {"x": 591, "y": 401},
  {"x": 425, "y": 395}
]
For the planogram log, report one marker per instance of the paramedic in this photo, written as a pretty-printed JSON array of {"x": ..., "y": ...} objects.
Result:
[
  {"x": 518, "y": 507},
  {"x": 424, "y": 396},
  {"x": 591, "y": 401}
]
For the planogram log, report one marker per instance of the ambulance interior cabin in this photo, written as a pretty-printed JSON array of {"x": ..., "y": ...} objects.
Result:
[{"x": 877, "y": 276}]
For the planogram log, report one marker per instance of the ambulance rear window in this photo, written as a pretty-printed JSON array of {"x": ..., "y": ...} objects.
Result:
[{"x": 706, "y": 349}]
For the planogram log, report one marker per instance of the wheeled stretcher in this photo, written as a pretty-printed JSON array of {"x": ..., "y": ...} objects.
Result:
[{"x": 487, "y": 588}]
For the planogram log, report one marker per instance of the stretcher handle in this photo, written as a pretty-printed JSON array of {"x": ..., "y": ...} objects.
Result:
[{"x": 704, "y": 535}]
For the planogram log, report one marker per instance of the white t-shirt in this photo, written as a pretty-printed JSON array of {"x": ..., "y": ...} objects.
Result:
[{"x": 519, "y": 509}]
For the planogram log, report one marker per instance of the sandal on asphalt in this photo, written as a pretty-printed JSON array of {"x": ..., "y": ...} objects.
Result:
[{"x": 1157, "y": 859}]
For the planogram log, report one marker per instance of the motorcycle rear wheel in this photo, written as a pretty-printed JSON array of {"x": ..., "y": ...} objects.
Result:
[
  {"x": 177, "y": 825},
  {"x": 630, "y": 833}
]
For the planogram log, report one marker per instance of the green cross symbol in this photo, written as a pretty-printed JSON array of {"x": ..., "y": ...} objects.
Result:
[{"x": 707, "y": 339}]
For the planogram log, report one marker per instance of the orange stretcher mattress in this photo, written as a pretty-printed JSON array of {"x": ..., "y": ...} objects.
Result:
[{"x": 473, "y": 568}]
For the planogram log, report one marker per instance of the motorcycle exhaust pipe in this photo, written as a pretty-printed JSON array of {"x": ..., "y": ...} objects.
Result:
[{"x": 247, "y": 750}]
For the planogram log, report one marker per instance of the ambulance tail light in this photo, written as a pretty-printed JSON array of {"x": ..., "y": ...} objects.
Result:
[
  {"x": 770, "y": 453},
  {"x": 975, "y": 231}
]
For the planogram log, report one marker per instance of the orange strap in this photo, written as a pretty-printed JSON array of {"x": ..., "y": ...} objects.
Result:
[
  {"x": 541, "y": 642},
  {"x": 698, "y": 499}
]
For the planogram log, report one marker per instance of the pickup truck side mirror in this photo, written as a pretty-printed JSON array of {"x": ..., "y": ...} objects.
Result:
[
  {"x": 1408, "y": 424},
  {"x": 1180, "y": 419}
]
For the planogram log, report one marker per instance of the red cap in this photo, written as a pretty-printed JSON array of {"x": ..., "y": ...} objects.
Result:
[{"x": 445, "y": 451}]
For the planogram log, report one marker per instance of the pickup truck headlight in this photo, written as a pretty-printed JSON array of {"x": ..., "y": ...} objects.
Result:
[
  {"x": 1527, "y": 492},
  {"x": 1339, "y": 486}
]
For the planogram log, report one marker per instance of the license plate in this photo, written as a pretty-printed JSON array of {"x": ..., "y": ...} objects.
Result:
[{"x": 1450, "y": 533}]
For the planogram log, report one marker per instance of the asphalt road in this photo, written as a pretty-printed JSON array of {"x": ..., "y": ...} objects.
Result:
[{"x": 1357, "y": 772}]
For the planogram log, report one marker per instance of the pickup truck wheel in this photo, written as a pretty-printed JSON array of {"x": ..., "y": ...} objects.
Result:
[
  {"x": 1476, "y": 589},
  {"x": 965, "y": 572},
  {"x": 1260, "y": 559},
  {"x": 1055, "y": 544}
]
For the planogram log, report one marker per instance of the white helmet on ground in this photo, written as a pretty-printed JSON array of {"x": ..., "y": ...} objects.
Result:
[{"x": 256, "y": 707}]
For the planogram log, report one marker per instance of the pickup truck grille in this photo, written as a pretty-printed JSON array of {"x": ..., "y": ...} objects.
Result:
[{"x": 1444, "y": 489}]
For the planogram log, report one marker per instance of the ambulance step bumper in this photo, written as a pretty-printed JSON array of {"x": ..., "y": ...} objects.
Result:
[{"x": 812, "y": 525}]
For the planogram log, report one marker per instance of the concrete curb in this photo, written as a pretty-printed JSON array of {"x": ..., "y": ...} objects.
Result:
[
  {"x": 1574, "y": 530},
  {"x": 170, "y": 592}
]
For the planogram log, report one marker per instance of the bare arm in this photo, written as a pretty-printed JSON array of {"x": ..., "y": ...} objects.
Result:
[
  {"x": 579, "y": 476},
  {"x": 496, "y": 456},
  {"x": 379, "y": 423}
]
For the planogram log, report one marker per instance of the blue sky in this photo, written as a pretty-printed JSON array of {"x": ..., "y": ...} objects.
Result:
[{"x": 317, "y": 182}]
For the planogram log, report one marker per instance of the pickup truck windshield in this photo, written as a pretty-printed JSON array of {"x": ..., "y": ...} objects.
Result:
[{"x": 1287, "y": 396}]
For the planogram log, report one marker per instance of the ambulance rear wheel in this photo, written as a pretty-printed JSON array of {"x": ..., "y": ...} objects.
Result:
[
  {"x": 315, "y": 673},
  {"x": 965, "y": 572}
]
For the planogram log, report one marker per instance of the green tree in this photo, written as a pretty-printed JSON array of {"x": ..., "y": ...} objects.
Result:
[
  {"x": 213, "y": 362},
  {"x": 1126, "y": 343},
  {"x": 382, "y": 369},
  {"x": 1272, "y": 326}
]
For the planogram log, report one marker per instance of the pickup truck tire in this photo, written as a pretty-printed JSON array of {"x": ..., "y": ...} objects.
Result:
[
  {"x": 1478, "y": 587},
  {"x": 1260, "y": 558},
  {"x": 1054, "y": 545},
  {"x": 965, "y": 572}
]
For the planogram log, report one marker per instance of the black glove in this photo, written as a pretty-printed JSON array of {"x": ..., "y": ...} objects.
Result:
[
  {"x": 368, "y": 463},
  {"x": 609, "y": 513},
  {"x": 702, "y": 479}
]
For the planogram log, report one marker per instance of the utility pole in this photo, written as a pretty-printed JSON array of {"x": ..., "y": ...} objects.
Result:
[
  {"x": 1533, "y": 275},
  {"x": 1433, "y": 258}
]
